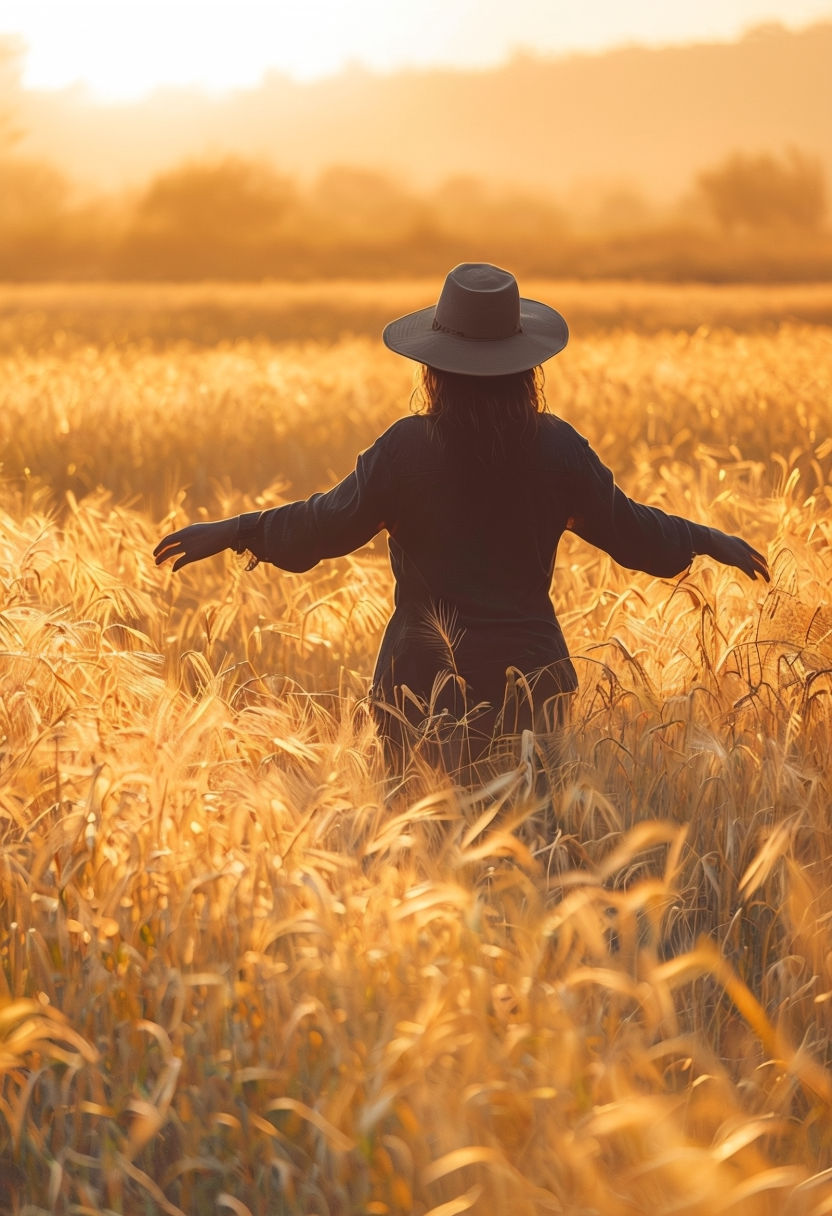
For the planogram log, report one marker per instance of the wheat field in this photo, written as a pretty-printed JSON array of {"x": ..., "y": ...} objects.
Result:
[{"x": 242, "y": 969}]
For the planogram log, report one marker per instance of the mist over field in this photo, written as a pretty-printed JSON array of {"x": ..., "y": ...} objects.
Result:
[
  {"x": 701, "y": 162},
  {"x": 647, "y": 119}
]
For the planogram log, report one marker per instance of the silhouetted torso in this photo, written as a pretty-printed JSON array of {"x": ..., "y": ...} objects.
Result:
[{"x": 473, "y": 540}]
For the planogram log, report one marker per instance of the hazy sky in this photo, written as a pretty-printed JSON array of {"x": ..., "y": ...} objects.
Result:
[{"x": 125, "y": 48}]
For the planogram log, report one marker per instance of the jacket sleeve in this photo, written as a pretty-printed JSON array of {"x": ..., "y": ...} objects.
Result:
[
  {"x": 298, "y": 535},
  {"x": 635, "y": 535}
]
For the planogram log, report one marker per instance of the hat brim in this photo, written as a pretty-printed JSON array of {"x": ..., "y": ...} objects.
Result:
[{"x": 543, "y": 333}]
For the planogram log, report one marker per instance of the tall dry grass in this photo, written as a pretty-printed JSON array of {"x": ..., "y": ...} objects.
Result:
[{"x": 241, "y": 970}]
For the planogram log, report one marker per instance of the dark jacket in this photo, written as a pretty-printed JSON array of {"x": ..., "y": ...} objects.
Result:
[{"x": 472, "y": 547}]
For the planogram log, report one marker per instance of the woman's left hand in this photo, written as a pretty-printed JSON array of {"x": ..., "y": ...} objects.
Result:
[
  {"x": 196, "y": 541},
  {"x": 734, "y": 551}
]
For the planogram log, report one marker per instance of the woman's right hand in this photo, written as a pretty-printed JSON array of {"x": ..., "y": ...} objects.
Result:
[
  {"x": 734, "y": 551},
  {"x": 196, "y": 541}
]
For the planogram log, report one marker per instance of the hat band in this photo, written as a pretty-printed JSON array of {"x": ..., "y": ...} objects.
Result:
[{"x": 458, "y": 333}]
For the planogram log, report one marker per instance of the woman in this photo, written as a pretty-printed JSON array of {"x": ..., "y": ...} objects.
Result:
[{"x": 475, "y": 493}]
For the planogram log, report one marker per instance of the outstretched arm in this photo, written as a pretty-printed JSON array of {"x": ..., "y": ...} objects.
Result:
[
  {"x": 298, "y": 535},
  {"x": 647, "y": 538}
]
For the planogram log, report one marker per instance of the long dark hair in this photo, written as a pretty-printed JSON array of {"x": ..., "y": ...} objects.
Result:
[{"x": 492, "y": 416}]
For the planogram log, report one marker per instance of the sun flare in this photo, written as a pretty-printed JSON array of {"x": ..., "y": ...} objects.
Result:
[{"x": 127, "y": 50}]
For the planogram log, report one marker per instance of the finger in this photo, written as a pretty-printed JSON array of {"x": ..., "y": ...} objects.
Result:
[
  {"x": 758, "y": 564},
  {"x": 162, "y": 555},
  {"x": 166, "y": 543},
  {"x": 184, "y": 560}
]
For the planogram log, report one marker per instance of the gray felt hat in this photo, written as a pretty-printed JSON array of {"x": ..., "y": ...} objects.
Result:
[{"x": 480, "y": 326}]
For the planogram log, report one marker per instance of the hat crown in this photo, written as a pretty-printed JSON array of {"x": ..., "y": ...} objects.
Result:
[{"x": 479, "y": 300}]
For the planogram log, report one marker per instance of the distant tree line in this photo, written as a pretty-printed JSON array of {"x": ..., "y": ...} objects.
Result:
[{"x": 751, "y": 216}]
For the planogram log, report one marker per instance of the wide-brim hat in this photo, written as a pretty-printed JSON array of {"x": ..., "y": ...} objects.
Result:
[{"x": 480, "y": 326}]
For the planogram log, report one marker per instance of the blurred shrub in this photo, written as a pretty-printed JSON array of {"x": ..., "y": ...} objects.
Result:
[
  {"x": 212, "y": 219},
  {"x": 764, "y": 192},
  {"x": 236, "y": 219}
]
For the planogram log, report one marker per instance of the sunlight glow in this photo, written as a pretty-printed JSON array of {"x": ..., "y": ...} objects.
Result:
[{"x": 123, "y": 49}]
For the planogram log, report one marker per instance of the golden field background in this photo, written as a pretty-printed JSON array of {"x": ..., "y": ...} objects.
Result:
[{"x": 241, "y": 970}]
